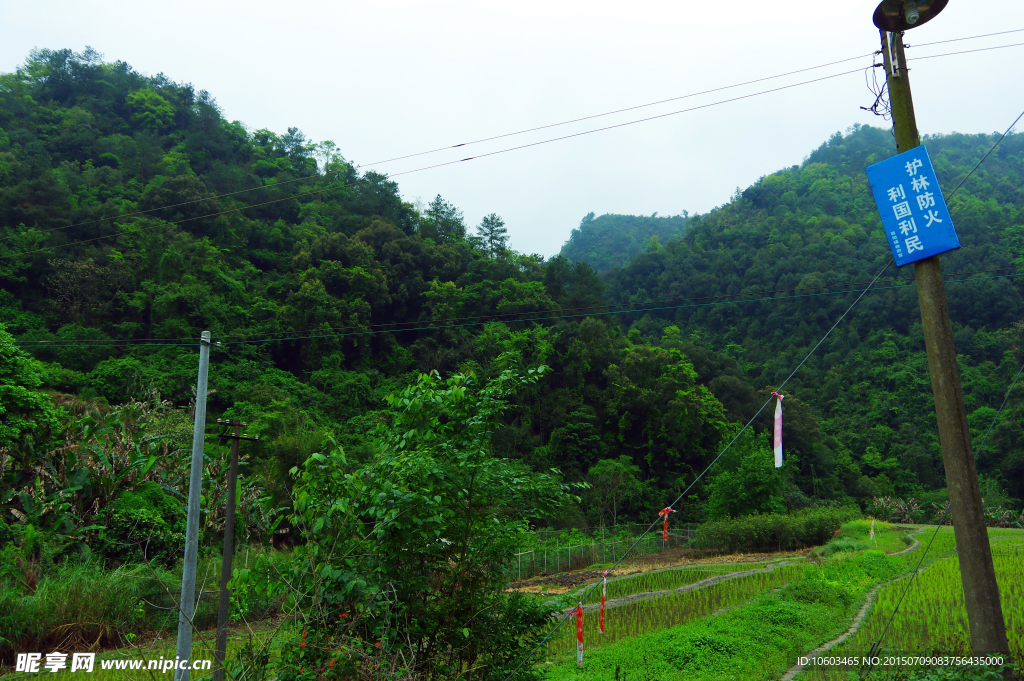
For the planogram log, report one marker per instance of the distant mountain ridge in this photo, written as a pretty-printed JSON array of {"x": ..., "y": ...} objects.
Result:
[{"x": 613, "y": 240}]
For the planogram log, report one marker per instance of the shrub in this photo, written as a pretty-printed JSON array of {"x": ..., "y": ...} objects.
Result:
[
  {"x": 843, "y": 546},
  {"x": 140, "y": 535},
  {"x": 144, "y": 525},
  {"x": 817, "y": 591},
  {"x": 774, "y": 532}
]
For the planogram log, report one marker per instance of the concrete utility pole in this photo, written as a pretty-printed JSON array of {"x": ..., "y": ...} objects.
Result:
[
  {"x": 220, "y": 651},
  {"x": 195, "y": 490},
  {"x": 981, "y": 593}
]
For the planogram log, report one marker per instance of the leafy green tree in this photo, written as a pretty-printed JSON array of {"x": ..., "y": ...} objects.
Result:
[
  {"x": 493, "y": 235},
  {"x": 745, "y": 481},
  {"x": 25, "y": 411},
  {"x": 613, "y": 240},
  {"x": 443, "y": 222},
  {"x": 613, "y": 483},
  {"x": 150, "y": 111},
  {"x": 418, "y": 539}
]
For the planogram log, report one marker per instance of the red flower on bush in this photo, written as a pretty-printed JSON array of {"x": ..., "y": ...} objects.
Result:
[{"x": 302, "y": 645}]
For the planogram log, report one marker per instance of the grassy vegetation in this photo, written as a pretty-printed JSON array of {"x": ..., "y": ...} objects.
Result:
[
  {"x": 932, "y": 618},
  {"x": 664, "y": 580},
  {"x": 154, "y": 649},
  {"x": 856, "y": 536},
  {"x": 756, "y": 640},
  {"x": 774, "y": 619},
  {"x": 79, "y": 604}
]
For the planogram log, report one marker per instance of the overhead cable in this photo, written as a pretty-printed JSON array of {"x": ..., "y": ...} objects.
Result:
[{"x": 521, "y": 132}]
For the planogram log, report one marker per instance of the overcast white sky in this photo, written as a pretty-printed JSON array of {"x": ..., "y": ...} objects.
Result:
[{"x": 383, "y": 78}]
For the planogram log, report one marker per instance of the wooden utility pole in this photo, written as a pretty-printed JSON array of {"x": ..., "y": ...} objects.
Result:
[
  {"x": 977, "y": 572},
  {"x": 220, "y": 650}
]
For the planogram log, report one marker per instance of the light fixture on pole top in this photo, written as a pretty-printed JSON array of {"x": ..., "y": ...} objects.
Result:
[{"x": 903, "y": 15}]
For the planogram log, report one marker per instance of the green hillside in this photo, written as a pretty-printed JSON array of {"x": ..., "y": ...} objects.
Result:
[
  {"x": 614, "y": 240},
  {"x": 807, "y": 235},
  {"x": 133, "y": 216},
  {"x": 424, "y": 396}
]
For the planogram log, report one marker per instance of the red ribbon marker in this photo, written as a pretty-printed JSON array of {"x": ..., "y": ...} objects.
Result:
[
  {"x": 664, "y": 513},
  {"x": 604, "y": 592},
  {"x": 579, "y": 634}
]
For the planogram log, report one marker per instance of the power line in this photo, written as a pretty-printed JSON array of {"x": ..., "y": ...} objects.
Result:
[
  {"x": 527, "y": 130},
  {"x": 1005, "y": 133},
  {"x": 980, "y": 49},
  {"x": 970, "y": 37},
  {"x": 779, "y": 389},
  {"x": 484, "y": 319},
  {"x": 479, "y": 320},
  {"x": 565, "y": 618},
  {"x": 364, "y": 331},
  {"x": 673, "y": 99},
  {"x": 877, "y": 644}
]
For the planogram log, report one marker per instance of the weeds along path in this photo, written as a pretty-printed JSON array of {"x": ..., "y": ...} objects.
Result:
[
  {"x": 858, "y": 618},
  {"x": 854, "y": 627},
  {"x": 647, "y": 595}
]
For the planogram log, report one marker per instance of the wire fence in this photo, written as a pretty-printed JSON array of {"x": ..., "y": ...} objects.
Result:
[{"x": 552, "y": 551}]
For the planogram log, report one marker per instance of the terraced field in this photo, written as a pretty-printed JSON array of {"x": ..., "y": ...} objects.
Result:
[
  {"x": 932, "y": 619},
  {"x": 637, "y": 610},
  {"x": 699, "y": 623}
]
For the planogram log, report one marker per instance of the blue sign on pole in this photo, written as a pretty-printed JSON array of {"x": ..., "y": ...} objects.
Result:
[{"x": 914, "y": 214}]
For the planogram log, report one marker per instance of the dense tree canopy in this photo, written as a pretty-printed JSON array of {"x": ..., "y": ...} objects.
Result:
[
  {"x": 613, "y": 240},
  {"x": 133, "y": 216},
  {"x": 798, "y": 245}
]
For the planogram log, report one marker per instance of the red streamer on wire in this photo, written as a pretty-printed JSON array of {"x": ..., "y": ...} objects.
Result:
[
  {"x": 604, "y": 592},
  {"x": 664, "y": 513},
  {"x": 579, "y": 634}
]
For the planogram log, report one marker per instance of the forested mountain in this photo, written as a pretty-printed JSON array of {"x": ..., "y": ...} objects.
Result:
[
  {"x": 133, "y": 216},
  {"x": 613, "y": 240},
  {"x": 799, "y": 244}
]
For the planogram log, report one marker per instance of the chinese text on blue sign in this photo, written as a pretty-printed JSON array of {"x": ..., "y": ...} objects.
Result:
[{"x": 914, "y": 214}]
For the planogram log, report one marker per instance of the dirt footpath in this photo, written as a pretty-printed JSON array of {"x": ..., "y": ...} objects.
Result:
[{"x": 562, "y": 582}]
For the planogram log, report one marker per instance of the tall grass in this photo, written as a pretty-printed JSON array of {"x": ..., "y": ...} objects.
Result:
[{"x": 79, "y": 604}]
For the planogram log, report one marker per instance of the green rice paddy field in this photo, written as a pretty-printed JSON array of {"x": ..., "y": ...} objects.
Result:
[{"x": 755, "y": 626}]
